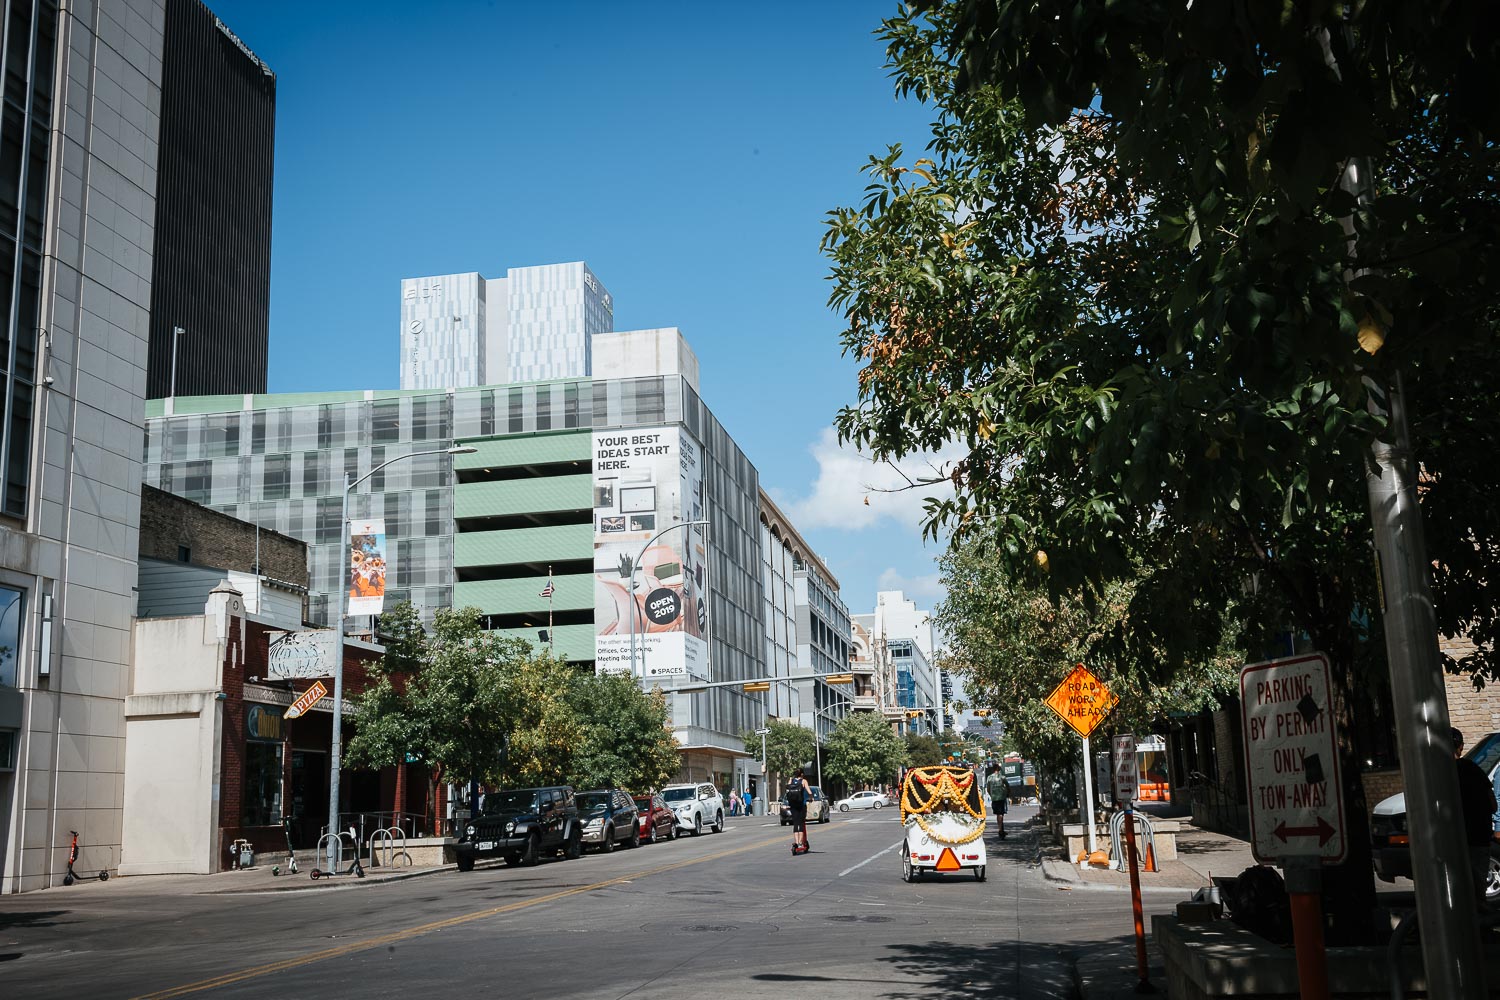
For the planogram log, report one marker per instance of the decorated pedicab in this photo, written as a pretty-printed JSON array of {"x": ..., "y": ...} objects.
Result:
[{"x": 942, "y": 809}]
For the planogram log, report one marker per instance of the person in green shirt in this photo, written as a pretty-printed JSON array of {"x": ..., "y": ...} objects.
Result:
[{"x": 999, "y": 792}]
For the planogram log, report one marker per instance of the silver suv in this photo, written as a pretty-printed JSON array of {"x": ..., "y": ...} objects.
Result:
[{"x": 695, "y": 805}]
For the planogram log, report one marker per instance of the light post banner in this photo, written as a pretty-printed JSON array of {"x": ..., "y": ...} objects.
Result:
[
  {"x": 368, "y": 567},
  {"x": 307, "y": 653},
  {"x": 647, "y": 479}
]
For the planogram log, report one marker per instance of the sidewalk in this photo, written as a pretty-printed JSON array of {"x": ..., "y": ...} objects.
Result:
[
  {"x": 249, "y": 880},
  {"x": 1201, "y": 854},
  {"x": 1109, "y": 972}
]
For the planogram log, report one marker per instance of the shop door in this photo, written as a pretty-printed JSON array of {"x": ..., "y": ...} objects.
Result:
[{"x": 309, "y": 797}]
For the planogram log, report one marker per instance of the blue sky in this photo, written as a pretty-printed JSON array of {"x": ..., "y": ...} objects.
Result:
[{"x": 688, "y": 152}]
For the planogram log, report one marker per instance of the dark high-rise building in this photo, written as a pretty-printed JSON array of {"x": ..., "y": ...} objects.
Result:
[{"x": 211, "y": 268}]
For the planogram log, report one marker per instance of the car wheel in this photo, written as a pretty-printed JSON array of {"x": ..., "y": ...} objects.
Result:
[
  {"x": 608, "y": 843},
  {"x": 1492, "y": 879},
  {"x": 843, "y": 807},
  {"x": 466, "y": 862},
  {"x": 574, "y": 848},
  {"x": 635, "y": 836},
  {"x": 512, "y": 859},
  {"x": 676, "y": 830},
  {"x": 877, "y": 803},
  {"x": 825, "y": 817},
  {"x": 697, "y": 824},
  {"x": 719, "y": 822},
  {"x": 533, "y": 852},
  {"x": 650, "y": 836}
]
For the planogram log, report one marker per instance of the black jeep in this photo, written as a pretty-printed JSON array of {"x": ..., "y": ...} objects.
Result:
[{"x": 521, "y": 825}]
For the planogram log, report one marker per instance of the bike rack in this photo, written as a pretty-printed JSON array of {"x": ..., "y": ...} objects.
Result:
[
  {"x": 335, "y": 853},
  {"x": 1146, "y": 840},
  {"x": 390, "y": 850}
]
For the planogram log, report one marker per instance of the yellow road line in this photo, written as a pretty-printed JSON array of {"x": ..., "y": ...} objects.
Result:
[{"x": 255, "y": 972}]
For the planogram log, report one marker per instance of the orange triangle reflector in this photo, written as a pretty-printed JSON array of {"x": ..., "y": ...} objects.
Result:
[{"x": 947, "y": 861}]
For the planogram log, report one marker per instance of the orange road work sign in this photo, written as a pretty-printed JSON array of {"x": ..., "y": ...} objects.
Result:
[
  {"x": 309, "y": 698},
  {"x": 1082, "y": 701},
  {"x": 947, "y": 861}
]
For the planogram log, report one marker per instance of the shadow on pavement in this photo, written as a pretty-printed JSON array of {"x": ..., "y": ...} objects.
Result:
[
  {"x": 1007, "y": 970},
  {"x": 34, "y": 918}
]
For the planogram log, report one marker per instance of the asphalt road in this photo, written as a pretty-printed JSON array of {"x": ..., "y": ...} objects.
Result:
[{"x": 731, "y": 913}]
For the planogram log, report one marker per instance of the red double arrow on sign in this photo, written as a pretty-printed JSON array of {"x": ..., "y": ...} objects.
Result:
[{"x": 1322, "y": 830}]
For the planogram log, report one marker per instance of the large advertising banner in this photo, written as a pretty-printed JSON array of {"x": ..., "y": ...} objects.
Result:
[
  {"x": 645, "y": 480},
  {"x": 367, "y": 567}
]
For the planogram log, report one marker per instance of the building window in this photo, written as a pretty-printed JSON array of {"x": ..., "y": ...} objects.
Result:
[
  {"x": 262, "y": 803},
  {"x": 12, "y": 605},
  {"x": 30, "y": 36},
  {"x": 184, "y": 554}
]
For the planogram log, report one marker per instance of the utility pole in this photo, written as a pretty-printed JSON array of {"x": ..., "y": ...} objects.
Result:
[{"x": 1446, "y": 911}]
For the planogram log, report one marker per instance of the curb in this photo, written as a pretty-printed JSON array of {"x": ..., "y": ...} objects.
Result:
[{"x": 296, "y": 883}]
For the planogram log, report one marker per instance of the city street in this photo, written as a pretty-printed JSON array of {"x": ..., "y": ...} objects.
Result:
[{"x": 731, "y": 913}]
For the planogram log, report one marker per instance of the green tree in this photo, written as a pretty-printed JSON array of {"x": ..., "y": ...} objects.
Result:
[
  {"x": 863, "y": 750},
  {"x": 1122, "y": 283},
  {"x": 1012, "y": 643},
  {"x": 923, "y": 750},
  {"x": 627, "y": 740},
  {"x": 788, "y": 746},
  {"x": 442, "y": 698}
]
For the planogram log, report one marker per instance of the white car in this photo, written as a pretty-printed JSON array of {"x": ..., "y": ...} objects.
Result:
[
  {"x": 695, "y": 805},
  {"x": 865, "y": 800}
]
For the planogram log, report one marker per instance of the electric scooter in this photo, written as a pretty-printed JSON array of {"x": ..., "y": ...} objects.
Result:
[
  {"x": 73, "y": 876},
  {"x": 291, "y": 856},
  {"x": 355, "y": 868}
]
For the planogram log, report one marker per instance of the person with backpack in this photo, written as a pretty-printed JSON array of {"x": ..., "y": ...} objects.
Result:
[
  {"x": 999, "y": 790},
  {"x": 797, "y": 796}
]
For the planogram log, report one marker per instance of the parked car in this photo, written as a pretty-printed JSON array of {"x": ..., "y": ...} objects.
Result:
[
  {"x": 609, "y": 818},
  {"x": 1391, "y": 839},
  {"x": 866, "y": 800},
  {"x": 696, "y": 805},
  {"x": 656, "y": 819},
  {"x": 817, "y": 807},
  {"x": 521, "y": 825}
]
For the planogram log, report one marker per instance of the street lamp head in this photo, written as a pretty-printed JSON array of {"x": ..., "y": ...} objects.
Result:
[{"x": 463, "y": 449}]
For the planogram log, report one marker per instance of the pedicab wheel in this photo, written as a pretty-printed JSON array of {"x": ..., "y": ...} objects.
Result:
[
  {"x": 979, "y": 873},
  {"x": 908, "y": 870}
]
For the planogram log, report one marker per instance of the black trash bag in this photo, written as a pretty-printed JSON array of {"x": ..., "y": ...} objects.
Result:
[{"x": 1258, "y": 902}]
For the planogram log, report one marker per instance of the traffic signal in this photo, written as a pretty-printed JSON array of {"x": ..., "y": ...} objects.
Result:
[
  {"x": 756, "y": 686},
  {"x": 913, "y": 713},
  {"x": 983, "y": 713}
]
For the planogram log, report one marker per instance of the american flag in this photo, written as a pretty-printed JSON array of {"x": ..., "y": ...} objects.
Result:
[{"x": 547, "y": 590}]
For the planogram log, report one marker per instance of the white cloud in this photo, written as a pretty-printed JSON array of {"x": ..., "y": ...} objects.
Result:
[
  {"x": 847, "y": 479},
  {"x": 926, "y": 588}
]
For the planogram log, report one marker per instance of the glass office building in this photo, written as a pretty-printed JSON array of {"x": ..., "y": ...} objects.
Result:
[{"x": 480, "y": 530}]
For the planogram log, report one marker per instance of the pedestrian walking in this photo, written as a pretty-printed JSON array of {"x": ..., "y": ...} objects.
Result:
[
  {"x": 999, "y": 791},
  {"x": 797, "y": 796},
  {"x": 734, "y": 802},
  {"x": 749, "y": 801},
  {"x": 1477, "y": 798}
]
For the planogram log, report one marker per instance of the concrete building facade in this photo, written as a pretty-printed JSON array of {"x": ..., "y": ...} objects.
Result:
[
  {"x": 534, "y": 324},
  {"x": 86, "y": 108}
]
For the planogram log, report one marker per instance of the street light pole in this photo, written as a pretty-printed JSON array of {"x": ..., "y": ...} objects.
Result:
[
  {"x": 177, "y": 331},
  {"x": 637, "y": 565},
  {"x": 336, "y": 744}
]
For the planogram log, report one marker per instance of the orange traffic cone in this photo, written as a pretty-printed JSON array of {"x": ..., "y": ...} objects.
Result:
[{"x": 1150, "y": 865}]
